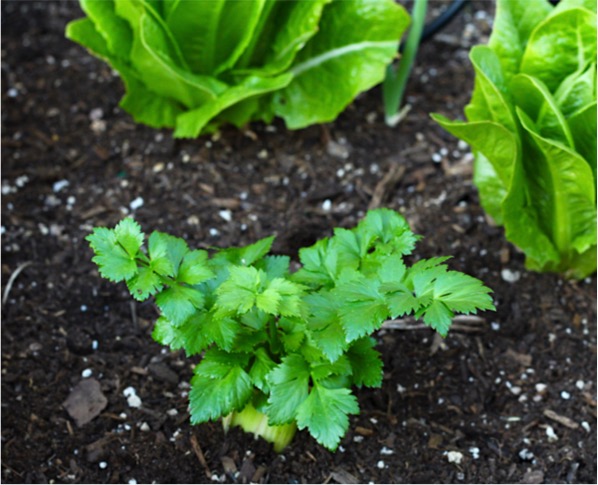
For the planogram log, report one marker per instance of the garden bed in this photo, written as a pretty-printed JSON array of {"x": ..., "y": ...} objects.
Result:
[{"x": 509, "y": 397}]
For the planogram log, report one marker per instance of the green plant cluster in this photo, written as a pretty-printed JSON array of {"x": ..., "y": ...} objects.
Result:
[
  {"x": 532, "y": 126},
  {"x": 287, "y": 345},
  {"x": 194, "y": 65}
]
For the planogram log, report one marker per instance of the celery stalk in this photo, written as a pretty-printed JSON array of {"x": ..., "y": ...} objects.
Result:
[{"x": 253, "y": 421}]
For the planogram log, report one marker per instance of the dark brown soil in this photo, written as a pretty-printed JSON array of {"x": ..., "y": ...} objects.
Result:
[{"x": 508, "y": 399}]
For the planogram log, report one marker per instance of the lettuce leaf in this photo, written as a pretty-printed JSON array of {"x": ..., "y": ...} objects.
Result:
[
  {"x": 195, "y": 65},
  {"x": 531, "y": 123}
]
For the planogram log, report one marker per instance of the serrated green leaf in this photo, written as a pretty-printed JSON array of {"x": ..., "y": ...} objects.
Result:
[
  {"x": 324, "y": 322},
  {"x": 255, "y": 319},
  {"x": 389, "y": 227},
  {"x": 325, "y": 414},
  {"x": 281, "y": 297},
  {"x": 247, "y": 255},
  {"x": 188, "y": 336},
  {"x": 144, "y": 284},
  {"x": 363, "y": 308},
  {"x": 166, "y": 253},
  {"x": 275, "y": 266},
  {"x": 238, "y": 293},
  {"x": 114, "y": 263},
  {"x": 392, "y": 269},
  {"x": 293, "y": 333},
  {"x": 261, "y": 367},
  {"x": 365, "y": 362},
  {"x": 194, "y": 269},
  {"x": 129, "y": 236},
  {"x": 221, "y": 331},
  {"x": 268, "y": 301},
  {"x": 438, "y": 316},
  {"x": 321, "y": 371},
  {"x": 462, "y": 293},
  {"x": 217, "y": 389},
  {"x": 217, "y": 363},
  {"x": 179, "y": 302},
  {"x": 320, "y": 264},
  {"x": 352, "y": 246},
  {"x": 288, "y": 389}
]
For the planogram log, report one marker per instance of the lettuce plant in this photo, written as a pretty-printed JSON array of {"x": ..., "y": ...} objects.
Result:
[
  {"x": 532, "y": 126},
  {"x": 281, "y": 350},
  {"x": 193, "y": 65}
]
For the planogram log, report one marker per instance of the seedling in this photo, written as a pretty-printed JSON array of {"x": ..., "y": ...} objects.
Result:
[{"x": 282, "y": 350}]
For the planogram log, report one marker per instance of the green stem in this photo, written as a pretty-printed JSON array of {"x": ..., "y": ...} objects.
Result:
[
  {"x": 394, "y": 84},
  {"x": 253, "y": 421}
]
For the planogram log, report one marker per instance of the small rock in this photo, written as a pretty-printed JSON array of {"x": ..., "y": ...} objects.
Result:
[
  {"x": 510, "y": 276},
  {"x": 526, "y": 455},
  {"x": 61, "y": 184},
  {"x": 226, "y": 215},
  {"x": 337, "y": 150},
  {"x": 136, "y": 203},
  {"x": 533, "y": 476},
  {"x": 455, "y": 457},
  {"x": 85, "y": 402},
  {"x": 552, "y": 436},
  {"x": 133, "y": 400},
  {"x": 164, "y": 373}
]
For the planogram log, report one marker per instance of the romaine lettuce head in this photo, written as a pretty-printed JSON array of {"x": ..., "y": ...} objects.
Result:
[
  {"x": 531, "y": 123},
  {"x": 193, "y": 65}
]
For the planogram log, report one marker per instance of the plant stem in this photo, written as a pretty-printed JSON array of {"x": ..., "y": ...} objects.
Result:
[
  {"x": 394, "y": 84},
  {"x": 256, "y": 422}
]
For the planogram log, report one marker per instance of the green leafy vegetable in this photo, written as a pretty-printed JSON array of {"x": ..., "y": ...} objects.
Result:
[
  {"x": 194, "y": 65},
  {"x": 532, "y": 126},
  {"x": 282, "y": 350}
]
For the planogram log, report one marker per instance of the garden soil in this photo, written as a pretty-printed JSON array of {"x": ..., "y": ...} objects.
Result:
[{"x": 88, "y": 397}]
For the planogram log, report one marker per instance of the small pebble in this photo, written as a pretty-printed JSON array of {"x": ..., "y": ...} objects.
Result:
[
  {"x": 526, "y": 455},
  {"x": 132, "y": 481},
  {"x": 103, "y": 465},
  {"x": 585, "y": 425},
  {"x": 326, "y": 205},
  {"x": 541, "y": 387},
  {"x": 475, "y": 452},
  {"x": 495, "y": 326},
  {"x": 226, "y": 215},
  {"x": 580, "y": 385},
  {"x": 454, "y": 457},
  {"x": 565, "y": 395},
  {"x": 133, "y": 400},
  {"x": 136, "y": 203},
  {"x": 86, "y": 373},
  {"x": 386, "y": 451},
  {"x": 381, "y": 464},
  {"x": 58, "y": 186},
  {"x": 552, "y": 436},
  {"x": 510, "y": 276}
]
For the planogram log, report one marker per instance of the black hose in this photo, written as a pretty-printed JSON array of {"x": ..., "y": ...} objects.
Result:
[{"x": 443, "y": 19}]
